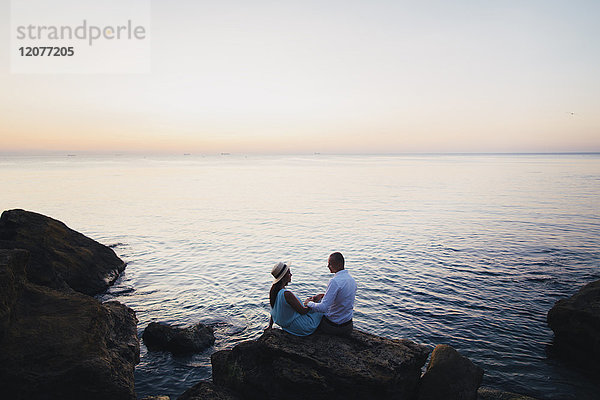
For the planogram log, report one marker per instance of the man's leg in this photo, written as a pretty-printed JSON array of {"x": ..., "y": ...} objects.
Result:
[{"x": 328, "y": 328}]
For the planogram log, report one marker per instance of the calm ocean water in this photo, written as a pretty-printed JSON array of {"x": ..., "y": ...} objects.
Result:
[{"x": 467, "y": 250}]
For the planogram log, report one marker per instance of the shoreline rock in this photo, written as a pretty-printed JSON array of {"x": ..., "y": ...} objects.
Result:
[
  {"x": 56, "y": 341},
  {"x": 192, "y": 339},
  {"x": 57, "y": 344},
  {"x": 576, "y": 325},
  {"x": 60, "y": 258},
  {"x": 450, "y": 376}
]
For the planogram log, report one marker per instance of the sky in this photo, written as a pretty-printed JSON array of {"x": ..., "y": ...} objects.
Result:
[{"x": 330, "y": 77}]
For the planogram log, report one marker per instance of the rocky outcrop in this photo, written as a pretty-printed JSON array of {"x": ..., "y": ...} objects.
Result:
[
  {"x": 61, "y": 344},
  {"x": 12, "y": 280},
  {"x": 60, "y": 257},
  {"x": 491, "y": 394},
  {"x": 193, "y": 339},
  {"x": 280, "y": 365},
  {"x": 208, "y": 391},
  {"x": 450, "y": 376},
  {"x": 576, "y": 324}
]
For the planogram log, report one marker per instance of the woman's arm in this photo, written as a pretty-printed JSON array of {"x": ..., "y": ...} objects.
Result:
[{"x": 294, "y": 303}]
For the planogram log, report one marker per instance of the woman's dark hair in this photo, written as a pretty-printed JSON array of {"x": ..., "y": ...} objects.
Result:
[{"x": 277, "y": 286}]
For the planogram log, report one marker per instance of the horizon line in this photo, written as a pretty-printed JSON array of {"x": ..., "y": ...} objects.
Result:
[{"x": 66, "y": 153}]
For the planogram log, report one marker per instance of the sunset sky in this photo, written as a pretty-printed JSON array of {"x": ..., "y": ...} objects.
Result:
[{"x": 330, "y": 77}]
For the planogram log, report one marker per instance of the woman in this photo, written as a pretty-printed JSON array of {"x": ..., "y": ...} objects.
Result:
[{"x": 287, "y": 310}]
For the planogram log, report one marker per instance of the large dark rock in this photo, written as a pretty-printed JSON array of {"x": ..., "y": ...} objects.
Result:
[
  {"x": 193, "y": 339},
  {"x": 450, "y": 376},
  {"x": 576, "y": 324},
  {"x": 279, "y": 365},
  {"x": 62, "y": 345},
  {"x": 12, "y": 280},
  {"x": 208, "y": 391},
  {"x": 59, "y": 256}
]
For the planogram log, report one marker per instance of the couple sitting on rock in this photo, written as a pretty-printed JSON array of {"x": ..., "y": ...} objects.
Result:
[{"x": 329, "y": 313}]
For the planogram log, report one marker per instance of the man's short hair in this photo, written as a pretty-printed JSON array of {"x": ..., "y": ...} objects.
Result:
[{"x": 337, "y": 260}]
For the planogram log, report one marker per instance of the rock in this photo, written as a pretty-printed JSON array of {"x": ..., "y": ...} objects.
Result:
[
  {"x": 12, "y": 279},
  {"x": 208, "y": 391},
  {"x": 279, "y": 365},
  {"x": 59, "y": 256},
  {"x": 193, "y": 339},
  {"x": 156, "y": 398},
  {"x": 576, "y": 324},
  {"x": 58, "y": 344},
  {"x": 491, "y": 394},
  {"x": 450, "y": 376}
]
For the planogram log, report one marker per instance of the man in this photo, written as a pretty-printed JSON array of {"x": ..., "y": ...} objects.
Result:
[{"x": 338, "y": 301}]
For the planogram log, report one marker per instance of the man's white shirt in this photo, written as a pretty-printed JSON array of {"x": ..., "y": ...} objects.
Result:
[{"x": 338, "y": 302}]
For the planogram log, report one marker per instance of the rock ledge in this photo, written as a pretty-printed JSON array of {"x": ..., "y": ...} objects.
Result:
[{"x": 280, "y": 365}]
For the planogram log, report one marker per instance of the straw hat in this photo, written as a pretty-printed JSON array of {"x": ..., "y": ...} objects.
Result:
[{"x": 279, "y": 271}]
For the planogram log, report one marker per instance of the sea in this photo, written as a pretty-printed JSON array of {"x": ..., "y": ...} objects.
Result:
[{"x": 469, "y": 250}]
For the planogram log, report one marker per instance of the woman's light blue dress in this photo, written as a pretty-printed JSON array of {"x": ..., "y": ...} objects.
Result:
[{"x": 292, "y": 321}]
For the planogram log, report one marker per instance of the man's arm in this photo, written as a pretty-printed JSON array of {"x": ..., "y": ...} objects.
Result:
[{"x": 327, "y": 299}]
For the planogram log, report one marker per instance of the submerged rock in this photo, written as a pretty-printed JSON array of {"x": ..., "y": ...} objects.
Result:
[
  {"x": 62, "y": 344},
  {"x": 450, "y": 376},
  {"x": 576, "y": 324},
  {"x": 491, "y": 394},
  {"x": 193, "y": 339},
  {"x": 279, "y": 365},
  {"x": 208, "y": 391},
  {"x": 60, "y": 257}
]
